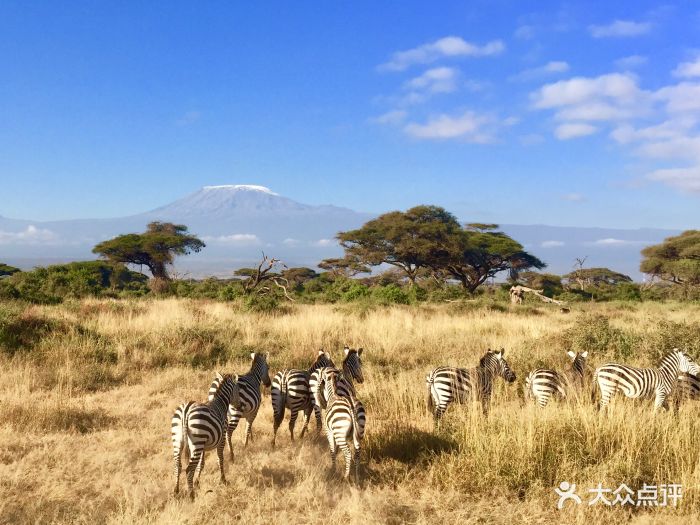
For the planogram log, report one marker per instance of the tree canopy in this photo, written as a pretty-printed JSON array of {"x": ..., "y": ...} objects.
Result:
[
  {"x": 407, "y": 240},
  {"x": 676, "y": 260},
  {"x": 596, "y": 277},
  {"x": 6, "y": 270},
  {"x": 478, "y": 251},
  {"x": 430, "y": 238},
  {"x": 156, "y": 248}
]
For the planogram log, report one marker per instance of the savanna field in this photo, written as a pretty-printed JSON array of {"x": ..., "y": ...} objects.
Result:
[{"x": 87, "y": 390}]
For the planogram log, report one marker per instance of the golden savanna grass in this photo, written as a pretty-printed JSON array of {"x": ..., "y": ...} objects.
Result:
[{"x": 87, "y": 390}]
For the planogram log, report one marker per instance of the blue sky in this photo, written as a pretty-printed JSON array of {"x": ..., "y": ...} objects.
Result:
[{"x": 574, "y": 113}]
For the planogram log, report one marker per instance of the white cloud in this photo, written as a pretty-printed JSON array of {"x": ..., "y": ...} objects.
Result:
[
  {"x": 552, "y": 244},
  {"x": 684, "y": 179},
  {"x": 467, "y": 126},
  {"x": 573, "y": 197},
  {"x": 688, "y": 69},
  {"x": 577, "y": 101},
  {"x": 450, "y": 46},
  {"x": 531, "y": 139},
  {"x": 435, "y": 80},
  {"x": 290, "y": 242},
  {"x": 615, "y": 86},
  {"x": 241, "y": 239},
  {"x": 680, "y": 98},
  {"x": 631, "y": 62},
  {"x": 324, "y": 242},
  {"x": 573, "y": 130},
  {"x": 552, "y": 67},
  {"x": 524, "y": 32},
  {"x": 390, "y": 117},
  {"x": 620, "y": 28},
  {"x": 615, "y": 242},
  {"x": 30, "y": 235}
]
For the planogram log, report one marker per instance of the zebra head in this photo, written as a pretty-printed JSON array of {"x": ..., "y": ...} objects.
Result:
[
  {"x": 322, "y": 360},
  {"x": 578, "y": 361},
  {"x": 685, "y": 363},
  {"x": 352, "y": 364},
  {"x": 495, "y": 363},
  {"x": 225, "y": 387},
  {"x": 260, "y": 367}
]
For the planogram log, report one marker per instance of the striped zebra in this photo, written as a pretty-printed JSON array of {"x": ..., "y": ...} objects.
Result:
[
  {"x": 250, "y": 397},
  {"x": 344, "y": 423},
  {"x": 351, "y": 371},
  {"x": 542, "y": 384},
  {"x": 636, "y": 382},
  {"x": 447, "y": 384},
  {"x": 290, "y": 389},
  {"x": 199, "y": 427},
  {"x": 688, "y": 388}
]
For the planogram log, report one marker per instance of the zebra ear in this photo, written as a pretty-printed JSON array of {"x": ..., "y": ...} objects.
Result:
[
  {"x": 347, "y": 350},
  {"x": 252, "y": 355},
  {"x": 219, "y": 376},
  {"x": 584, "y": 354},
  {"x": 572, "y": 355},
  {"x": 359, "y": 351},
  {"x": 321, "y": 352},
  {"x": 502, "y": 353}
]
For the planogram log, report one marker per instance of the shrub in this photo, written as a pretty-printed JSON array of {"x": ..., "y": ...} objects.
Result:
[{"x": 391, "y": 294}]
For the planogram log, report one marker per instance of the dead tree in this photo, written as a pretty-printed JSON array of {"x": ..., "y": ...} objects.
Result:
[
  {"x": 518, "y": 292},
  {"x": 258, "y": 279}
]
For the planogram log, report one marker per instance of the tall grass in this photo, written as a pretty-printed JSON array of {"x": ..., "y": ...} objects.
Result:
[{"x": 87, "y": 389}]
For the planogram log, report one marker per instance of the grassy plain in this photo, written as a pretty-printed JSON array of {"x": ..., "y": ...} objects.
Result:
[{"x": 87, "y": 390}]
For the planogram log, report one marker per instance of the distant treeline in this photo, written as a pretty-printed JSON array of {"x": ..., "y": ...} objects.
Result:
[{"x": 430, "y": 256}]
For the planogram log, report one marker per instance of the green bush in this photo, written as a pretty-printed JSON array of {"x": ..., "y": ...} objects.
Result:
[
  {"x": 391, "y": 294},
  {"x": 354, "y": 292},
  {"x": 594, "y": 333},
  {"x": 261, "y": 303}
]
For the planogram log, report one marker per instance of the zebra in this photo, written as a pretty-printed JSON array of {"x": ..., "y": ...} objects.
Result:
[
  {"x": 250, "y": 398},
  {"x": 290, "y": 389},
  {"x": 643, "y": 382},
  {"x": 542, "y": 384},
  {"x": 344, "y": 421},
  {"x": 351, "y": 371},
  {"x": 199, "y": 427},
  {"x": 448, "y": 384},
  {"x": 688, "y": 387}
]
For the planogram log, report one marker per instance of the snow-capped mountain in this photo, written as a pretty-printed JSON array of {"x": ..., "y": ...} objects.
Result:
[{"x": 239, "y": 221}]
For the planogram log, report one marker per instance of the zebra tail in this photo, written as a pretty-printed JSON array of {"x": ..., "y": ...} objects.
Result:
[
  {"x": 594, "y": 388},
  {"x": 184, "y": 437},
  {"x": 357, "y": 437},
  {"x": 429, "y": 400},
  {"x": 279, "y": 395}
]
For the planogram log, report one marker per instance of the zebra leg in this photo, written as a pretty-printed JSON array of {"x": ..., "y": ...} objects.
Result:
[
  {"x": 234, "y": 417},
  {"x": 278, "y": 417},
  {"x": 660, "y": 401},
  {"x": 357, "y": 464},
  {"x": 191, "y": 467},
  {"x": 319, "y": 422},
  {"x": 348, "y": 460},
  {"x": 307, "y": 416},
  {"x": 293, "y": 412},
  {"x": 249, "y": 426},
  {"x": 198, "y": 471},
  {"x": 177, "y": 456},
  {"x": 220, "y": 458},
  {"x": 333, "y": 449}
]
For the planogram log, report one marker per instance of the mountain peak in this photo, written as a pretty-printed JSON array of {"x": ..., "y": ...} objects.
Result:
[{"x": 240, "y": 187}]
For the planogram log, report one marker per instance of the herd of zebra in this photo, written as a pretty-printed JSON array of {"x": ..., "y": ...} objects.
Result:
[{"x": 200, "y": 427}]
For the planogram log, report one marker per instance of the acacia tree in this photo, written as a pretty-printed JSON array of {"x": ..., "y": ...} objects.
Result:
[
  {"x": 596, "y": 277},
  {"x": 408, "y": 240},
  {"x": 478, "y": 252},
  {"x": 346, "y": 266},
  {"x": 156, "y": 248},
  {"x": 676, "y": 260},
  {"x": 7, "y": 270}
]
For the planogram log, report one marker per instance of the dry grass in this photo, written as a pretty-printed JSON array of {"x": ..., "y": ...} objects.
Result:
[{"x": 87, "y": 406}]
